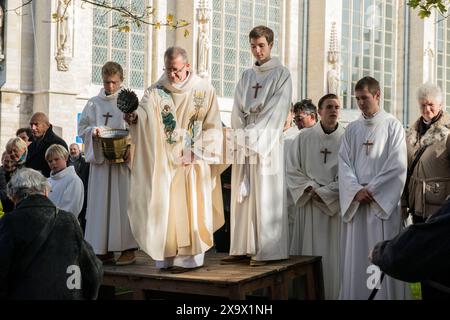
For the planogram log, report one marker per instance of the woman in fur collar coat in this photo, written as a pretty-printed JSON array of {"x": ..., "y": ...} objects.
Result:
[{"x": 429, "y": 183}]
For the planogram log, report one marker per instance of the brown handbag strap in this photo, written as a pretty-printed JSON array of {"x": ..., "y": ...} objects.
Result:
[{"x": 411, "y": 168}]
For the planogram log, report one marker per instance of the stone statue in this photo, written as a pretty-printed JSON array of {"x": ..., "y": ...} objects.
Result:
[
  {"x": 62, "y": 35},
  {"x": 429, "y": 63},
  {"x": 203, "y": 50},
  {"x": 333, "y": 79},
  {"x": 203, "y": 44}
]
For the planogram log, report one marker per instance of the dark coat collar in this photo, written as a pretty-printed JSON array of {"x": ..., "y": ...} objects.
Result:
[{"x": 33, "y": 201}]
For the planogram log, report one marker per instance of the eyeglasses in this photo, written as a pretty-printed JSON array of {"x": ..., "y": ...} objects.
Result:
[{"x": 176, "y": 72}]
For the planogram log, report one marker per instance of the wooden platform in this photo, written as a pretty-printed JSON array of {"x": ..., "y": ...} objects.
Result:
[{"x": 232, "y": 281}]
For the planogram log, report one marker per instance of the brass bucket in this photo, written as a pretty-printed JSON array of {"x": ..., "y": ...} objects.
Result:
[{"x": 114, "y": 144}]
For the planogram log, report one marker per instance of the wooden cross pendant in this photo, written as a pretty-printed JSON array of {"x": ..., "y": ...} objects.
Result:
[
  {"x": 256, "y": 87},
  {"x": 368, "y": 144},
  {"x": 325, "y": 153},
  {"x": 107, "y": 116}
]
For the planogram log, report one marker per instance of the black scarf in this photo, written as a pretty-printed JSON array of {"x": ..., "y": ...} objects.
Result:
[
  {"x": 327, "y": 131},
  {"x": 423, "y": 127}
]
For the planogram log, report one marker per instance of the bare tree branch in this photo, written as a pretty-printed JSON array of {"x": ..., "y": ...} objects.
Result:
[{"x": 128, "y": 15}]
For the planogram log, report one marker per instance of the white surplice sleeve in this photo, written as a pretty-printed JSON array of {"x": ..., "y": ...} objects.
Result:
[
  {"x": 88, "y": 121},
  {"x": 297, "y": 181}
]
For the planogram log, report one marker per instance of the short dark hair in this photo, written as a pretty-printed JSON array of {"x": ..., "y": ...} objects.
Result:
[
  {"x": 112, "y": 68},
  {"x": 306, "y": 106},
  {"x": 261, "y": 31},
  {"x": 27, "y": 131},
  {"x": 372, "y": 85},
  {"x": 326, "y": 97}
]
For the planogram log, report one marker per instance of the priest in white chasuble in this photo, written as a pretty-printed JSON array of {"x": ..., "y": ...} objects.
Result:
[
  {"x": 261, "y": 105},
  {"x": 312, "y": 179},
  {"x": 372, "y": 174},
  {"x": 107, "y": 225},
  {"x": 175, "y": 200}
]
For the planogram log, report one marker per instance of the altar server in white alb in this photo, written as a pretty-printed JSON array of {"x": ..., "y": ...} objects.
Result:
[
  {"x": 312, "y": 179},
  {"x": 107, "y": 224},
  {"x": 372, "y": 174},
  {"x": 261, "y": 105}
]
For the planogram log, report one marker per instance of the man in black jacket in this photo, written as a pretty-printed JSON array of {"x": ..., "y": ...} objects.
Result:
[
  {"x": 44, "y": 137},
  {"x": 42, "y": 251},
  {"x": 420, "y": 253}
]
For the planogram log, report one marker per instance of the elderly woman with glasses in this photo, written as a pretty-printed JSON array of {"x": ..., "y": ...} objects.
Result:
[{"x": 42, "y": 251}]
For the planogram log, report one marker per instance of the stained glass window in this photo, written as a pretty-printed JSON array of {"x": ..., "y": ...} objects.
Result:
[
  {"x": 126, "y": 48},
  {"x": 368, "y": 47}
]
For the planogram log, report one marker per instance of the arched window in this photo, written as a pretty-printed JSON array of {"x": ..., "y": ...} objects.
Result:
[
  {"x": 232, "y": 22},
  {"x": 126, "y": 48},
  {"x": 368, "y": 47}
]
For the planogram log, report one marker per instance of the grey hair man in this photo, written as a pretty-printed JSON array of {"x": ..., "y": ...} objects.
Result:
[
  {"x": 305, "y": 114},
  {"x": 37, "y": 235}
]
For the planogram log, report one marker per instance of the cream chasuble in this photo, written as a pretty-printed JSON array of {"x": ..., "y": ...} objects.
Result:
[{"x": 174, "y": 209}]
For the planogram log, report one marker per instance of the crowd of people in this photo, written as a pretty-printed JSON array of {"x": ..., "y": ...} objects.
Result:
[{"x": 300, "y": 183}]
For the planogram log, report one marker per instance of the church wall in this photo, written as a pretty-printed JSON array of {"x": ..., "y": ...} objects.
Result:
[
  {"x": 397, "y": 108},
  {"x": 418, "y": 42},
  {"x": 187, "y": 10},
  {"x": 316, "y": 50},
  {"x": 321, "y": 14},
  {"x": 161, "y": 39},
  {"x": 17, "y": 72}
]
